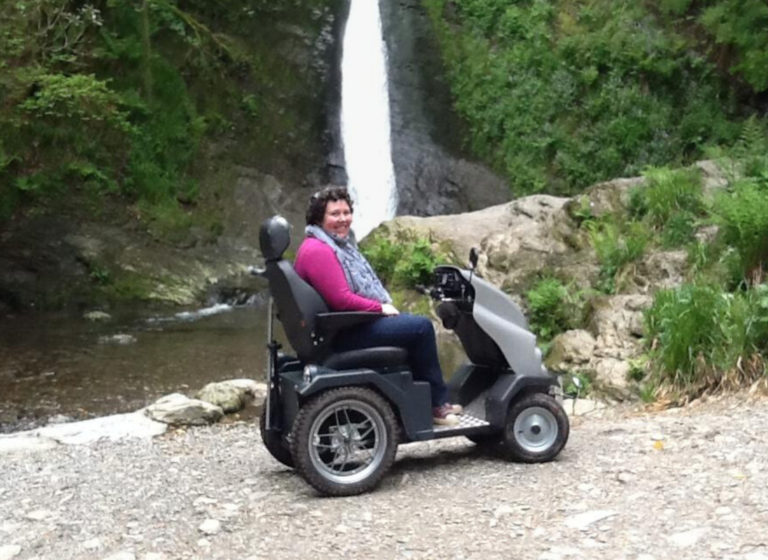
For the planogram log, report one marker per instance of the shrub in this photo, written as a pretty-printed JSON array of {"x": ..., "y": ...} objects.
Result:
[
  {"x": 550, "y": 308},
  {"x": 383, "y": 255},
  {"x": 741, "y": 26},
  {"x": 671, "y": 193},
  {"x": 560, "y": 95},
  {"x": 570, "y": 388},
  {"x": 405, "y": 262}
]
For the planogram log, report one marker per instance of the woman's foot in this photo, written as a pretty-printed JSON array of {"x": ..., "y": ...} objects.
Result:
[
  {"x": 456, "y": 408},
  {"x": 444, "y": 415}
]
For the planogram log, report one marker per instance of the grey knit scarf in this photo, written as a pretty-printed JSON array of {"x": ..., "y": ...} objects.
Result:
[{"x": 361, "y": 278}]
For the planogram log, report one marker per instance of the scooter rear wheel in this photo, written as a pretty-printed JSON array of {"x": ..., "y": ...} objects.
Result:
[
  {"x": 344, "y": 441},
  {"x": 536, "y": 430},
  {"x": 274, "y": 443}
]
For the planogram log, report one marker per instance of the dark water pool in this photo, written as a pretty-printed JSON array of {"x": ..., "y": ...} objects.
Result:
[{"x": 62, "y": 365}]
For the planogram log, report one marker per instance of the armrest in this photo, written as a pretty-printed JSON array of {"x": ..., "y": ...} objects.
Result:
[{"x": 330, "y": 323}]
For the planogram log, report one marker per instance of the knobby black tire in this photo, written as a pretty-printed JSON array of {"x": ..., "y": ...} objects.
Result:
[
  {"x": 274, "y": 443},
  {"x": 512, "y": 448},
  {"x": 301, "y": 433}
]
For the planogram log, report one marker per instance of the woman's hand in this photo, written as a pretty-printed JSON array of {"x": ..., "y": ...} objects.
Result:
[{"x": 389, "y": 310}]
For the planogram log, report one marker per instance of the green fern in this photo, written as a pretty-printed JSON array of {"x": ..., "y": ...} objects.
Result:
[
  {"x": 616, "y": 246},
  {"x": 742, "y": 215},
  {"x": 751, "y": 150}
]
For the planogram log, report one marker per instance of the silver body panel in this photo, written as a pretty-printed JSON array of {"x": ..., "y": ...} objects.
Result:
[{"x": 503, "y": 320}]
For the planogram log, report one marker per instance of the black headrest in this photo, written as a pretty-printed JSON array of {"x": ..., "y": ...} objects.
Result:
[{"x": 274, "y": 237}]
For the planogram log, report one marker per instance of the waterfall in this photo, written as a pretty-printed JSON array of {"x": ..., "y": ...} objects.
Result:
[{"x": 365, "y": 124}]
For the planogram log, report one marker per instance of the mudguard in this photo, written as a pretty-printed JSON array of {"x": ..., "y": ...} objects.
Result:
[
  {"x": 510, "y": 385},
  {"x": 410, "y": 400}
]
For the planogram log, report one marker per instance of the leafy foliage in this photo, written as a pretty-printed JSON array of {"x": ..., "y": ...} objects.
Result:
[
  {"x": 407, "y": 261},
  {"x": 742, "y": 26},
  {"x": 670, "y": 203},
  {"x": 560, "y": 95},
  {"x": 572, "y": 390},
  {"x": 671, "y": 192},
  {"x": 126, "y": 90},
  {"x": 551, "y": 308},
  {"x": 743, "y": 216}
]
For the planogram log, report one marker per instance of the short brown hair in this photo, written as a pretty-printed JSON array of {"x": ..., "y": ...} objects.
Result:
[{"x": 319, "y": 200}]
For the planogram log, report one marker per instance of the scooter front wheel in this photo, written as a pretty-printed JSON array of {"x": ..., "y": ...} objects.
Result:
[
  {"x": 536, "y": 429},
  {"x": 344, "y": 441}
]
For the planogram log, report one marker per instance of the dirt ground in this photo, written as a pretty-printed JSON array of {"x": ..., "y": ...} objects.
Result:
[{"x": 685, "y": 483}]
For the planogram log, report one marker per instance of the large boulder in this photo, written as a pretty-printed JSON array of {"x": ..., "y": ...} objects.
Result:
[
  {"x": 178, "y": 410},
  {"x": 658, "y": 271},
  {"x": 571, "y": 351},
  {"x": 517, "y": 240},
  {"x": 540, "y": 236},
  {"x": 232, "y": 395}
]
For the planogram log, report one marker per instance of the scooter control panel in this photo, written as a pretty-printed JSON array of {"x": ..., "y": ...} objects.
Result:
[{"x": 449, "y": 284}]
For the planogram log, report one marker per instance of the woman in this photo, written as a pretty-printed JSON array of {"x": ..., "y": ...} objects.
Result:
[{"x": 328, "y": 259}]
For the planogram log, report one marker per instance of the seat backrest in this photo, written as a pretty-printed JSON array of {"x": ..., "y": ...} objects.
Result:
[{"x": 297, "y": 302}]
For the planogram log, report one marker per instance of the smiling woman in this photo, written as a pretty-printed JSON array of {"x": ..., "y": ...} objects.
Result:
[{"x": 330, "y": 262}]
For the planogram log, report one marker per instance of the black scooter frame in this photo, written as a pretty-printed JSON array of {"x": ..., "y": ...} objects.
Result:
[{"x": 291, "y": 384}]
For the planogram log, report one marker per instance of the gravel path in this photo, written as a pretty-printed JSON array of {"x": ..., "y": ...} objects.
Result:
[{"x": 681, "y": 484}]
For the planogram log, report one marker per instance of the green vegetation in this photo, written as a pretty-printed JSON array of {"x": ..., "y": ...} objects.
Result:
[
  {"x": 553, "y": 308},
  {"x": 560, "y": 95},
  {"x": 570, "y": 388},
  {"x": 407, "y": 261},
  {"x": 712, "y": 332},
  {"x": 703, "y": 337},
  {"x": 616, "y": 244},
  {"x": 739, "y": 30},
  {"x": 119, "y": 98}
]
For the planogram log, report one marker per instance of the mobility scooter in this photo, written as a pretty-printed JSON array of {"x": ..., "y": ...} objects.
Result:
[{"x": 338, "y": 417}]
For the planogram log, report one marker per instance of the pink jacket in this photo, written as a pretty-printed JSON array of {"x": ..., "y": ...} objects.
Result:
[{"x": 318, "y": 265}]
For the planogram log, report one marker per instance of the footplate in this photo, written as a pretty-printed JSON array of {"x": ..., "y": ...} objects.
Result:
[{"x": 466, "y": 422}]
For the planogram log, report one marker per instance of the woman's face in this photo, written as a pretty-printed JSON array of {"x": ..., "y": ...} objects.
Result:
[{"x": 338, "y": 218}]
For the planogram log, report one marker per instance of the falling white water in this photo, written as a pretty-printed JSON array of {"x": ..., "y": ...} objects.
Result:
[{"x": 365, "y": 118}]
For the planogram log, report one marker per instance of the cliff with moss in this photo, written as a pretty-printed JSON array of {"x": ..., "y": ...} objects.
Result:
[{"x": 140, "y": 141}]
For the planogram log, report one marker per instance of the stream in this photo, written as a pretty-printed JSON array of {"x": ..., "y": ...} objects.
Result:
[
  {"x": 59, "y": 367},
  {"x": 64, "y": 367}
]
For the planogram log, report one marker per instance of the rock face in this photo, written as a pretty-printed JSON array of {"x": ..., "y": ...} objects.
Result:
[
  {"x": 571, "y": 351},
  {"x": 517, "y": 239},
  {"x": 178, "y": 410},
  {"x": 615, "y": 328},
  {"x": 540, "y": 235},
  {"x": 434, "y": 173}
]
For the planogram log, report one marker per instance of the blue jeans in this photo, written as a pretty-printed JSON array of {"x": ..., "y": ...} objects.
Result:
[{"x": 415, "y": 334}]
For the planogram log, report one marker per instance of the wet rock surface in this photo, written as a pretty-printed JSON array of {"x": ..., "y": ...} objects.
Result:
[
  {"x": 683, "y": 484},
  {"x": 434, "y": 171}
]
